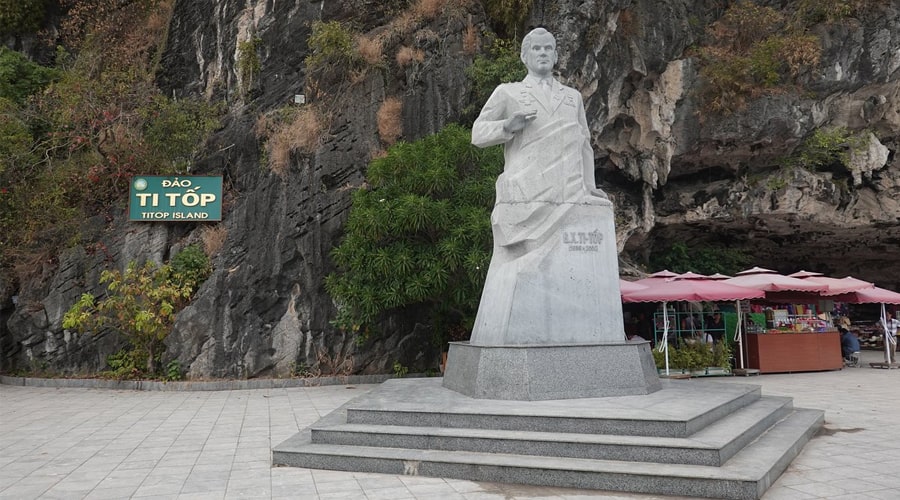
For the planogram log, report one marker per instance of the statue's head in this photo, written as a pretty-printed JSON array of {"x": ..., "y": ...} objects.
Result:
[{"x": 539, "y": 52}]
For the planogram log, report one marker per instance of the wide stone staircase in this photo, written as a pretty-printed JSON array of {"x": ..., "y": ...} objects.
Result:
[{"x": 692, "y": 438}]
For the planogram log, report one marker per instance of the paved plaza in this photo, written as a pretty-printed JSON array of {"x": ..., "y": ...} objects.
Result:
[{"x": 72, "y": 443}]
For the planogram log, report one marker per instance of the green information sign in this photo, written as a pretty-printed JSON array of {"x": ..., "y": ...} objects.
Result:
[{"x": 157, "y": 198}]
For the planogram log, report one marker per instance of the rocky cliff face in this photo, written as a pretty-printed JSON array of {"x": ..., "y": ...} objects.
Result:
[{"x": 675, "y": 172}]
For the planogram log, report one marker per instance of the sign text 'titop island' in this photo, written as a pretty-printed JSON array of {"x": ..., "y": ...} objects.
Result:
[{"x": 156, "y": 198}]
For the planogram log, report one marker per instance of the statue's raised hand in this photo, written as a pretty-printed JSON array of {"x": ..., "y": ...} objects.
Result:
[{"x": 518, "y": 120}]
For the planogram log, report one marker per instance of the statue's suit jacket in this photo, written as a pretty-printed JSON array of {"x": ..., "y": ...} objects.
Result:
[{"x": 550, "y": 160}]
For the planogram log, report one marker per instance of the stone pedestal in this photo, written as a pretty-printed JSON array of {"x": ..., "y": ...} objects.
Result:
[
  {"x": 549, "y": 324},
  {"x": 553, "y": 280},
  {"x": 542, "y": 372}
]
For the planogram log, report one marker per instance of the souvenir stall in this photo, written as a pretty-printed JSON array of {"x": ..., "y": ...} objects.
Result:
[
  {"x": 688, "y": 287},
  {"x": 793, "y": 337}
]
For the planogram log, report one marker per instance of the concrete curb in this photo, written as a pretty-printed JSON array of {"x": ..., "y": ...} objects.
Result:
[{"x": 214, "y": 385}]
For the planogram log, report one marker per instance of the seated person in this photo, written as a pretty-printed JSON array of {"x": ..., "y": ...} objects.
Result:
[
  {"x": 849, "y": 342},
  {"x": 715, "y": 326}
]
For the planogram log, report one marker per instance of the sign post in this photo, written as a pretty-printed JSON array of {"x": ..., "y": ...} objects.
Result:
[{"x": 175, "y": 199}]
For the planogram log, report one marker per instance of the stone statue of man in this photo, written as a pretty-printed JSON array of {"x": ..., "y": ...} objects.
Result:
[
  {"x": 549, "y": 220},
  {"x": 542, "y": 125}
]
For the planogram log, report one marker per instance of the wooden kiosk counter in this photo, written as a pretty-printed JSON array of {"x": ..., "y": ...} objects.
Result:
[{"x": 794, "y": 351}]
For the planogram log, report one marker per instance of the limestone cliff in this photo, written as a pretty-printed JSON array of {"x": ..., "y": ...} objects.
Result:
[{"x": 675, "y": 171}]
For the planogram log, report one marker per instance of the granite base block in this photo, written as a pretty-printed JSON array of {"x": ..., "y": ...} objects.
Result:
[{"x": 543, "y": 372}]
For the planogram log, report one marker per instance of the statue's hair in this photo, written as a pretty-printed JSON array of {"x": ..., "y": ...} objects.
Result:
[{"x": 526, "y": 41}]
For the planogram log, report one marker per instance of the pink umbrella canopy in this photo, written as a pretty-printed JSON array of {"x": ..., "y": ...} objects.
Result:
[
  {"x": 657, "y": 277},
  {"x": 770, "y": 281},
  {"x": 690, "y": 275},
  {"x": 805, "y": 274},
  {"x": 692, "y": 290},
  {"x": 757, "y": 270},
  {"x": 835, "y": 285},
  {"x": 630, "y": 286},
  {"x": 873, "y": 295}
]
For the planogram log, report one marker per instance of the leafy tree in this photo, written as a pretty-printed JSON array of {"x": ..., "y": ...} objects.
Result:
[
  {"x": 15, "y": 137},
  {"x": 419, "y": 234},
  {"x": 141, "y": 304},
  {"x": 175, "y": 129},
  {"x": 20, "y": 78},
  {"x": 21, "y": 16}
]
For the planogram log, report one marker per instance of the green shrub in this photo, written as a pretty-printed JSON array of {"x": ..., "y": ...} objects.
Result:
[
  {"x": 502, "y": 64},
  {"x": 508, "y": 16},
  {"x": 419, "y": 234},
  {"x": 21, "y": 78},
  {"x": 680, "y": 258},
  {"x": 826, "y": 147},
  {"x": 176, "y": 129},
  {"x": 140, "y": 304},
  {"x": 21, "y": 16},
  {"x": 126, "y": 364},
  {"x": 173, "y": 371},
  {"x": 15, "y": 139},
  {"x": 331, "y": 55},
  {"x": 248, "y": 64},
  {"x": 400, "y": 370},
  {"x": 190, "y": 267}
]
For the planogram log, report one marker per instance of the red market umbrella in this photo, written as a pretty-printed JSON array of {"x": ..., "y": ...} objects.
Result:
[
  {"x": 873, "y": 295},
  {"x": 630, "y": 286},
  {"x": 835, "y": 285},
  {"x": 657, "y": 277},
  {"x": 770, "y": 281},
  {"x": 691, "y": 289}
]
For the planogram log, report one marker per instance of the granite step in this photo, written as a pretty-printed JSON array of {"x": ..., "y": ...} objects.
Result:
[
  {"x": 746, "y": 475},
  {"x": 712, "y": 445},
  {"x": 424, "y": 403}
]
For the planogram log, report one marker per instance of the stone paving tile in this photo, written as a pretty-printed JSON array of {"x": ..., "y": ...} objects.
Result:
[{"x": 92, "y": 443}]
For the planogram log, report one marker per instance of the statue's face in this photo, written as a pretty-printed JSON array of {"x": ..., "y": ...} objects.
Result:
[{"x": 540, "y": 55}]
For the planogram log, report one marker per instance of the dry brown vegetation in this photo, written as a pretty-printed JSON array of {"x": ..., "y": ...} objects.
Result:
[
  {"x": 406, "y": 55},
  {"x": 126, "y": 31},
  {"x": 299, "y": 131},
  {"x": 754, "y": 50},
  {"x": 427, "y": 9},
  {"x": 471, "y": 40},
  {"x": 213, "y": 238},
  {"x": 370, "y": 49},
  {"x": 390, "y": 120}
]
